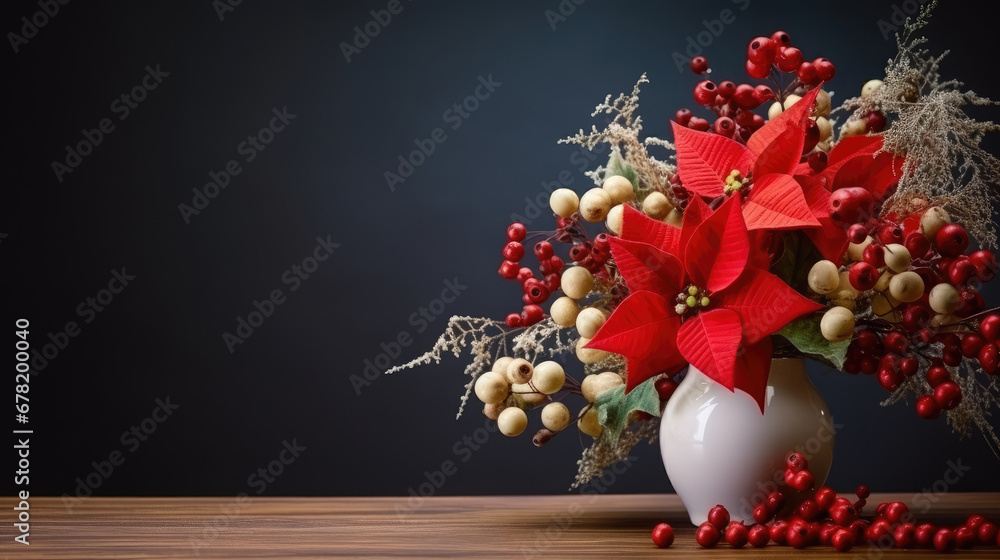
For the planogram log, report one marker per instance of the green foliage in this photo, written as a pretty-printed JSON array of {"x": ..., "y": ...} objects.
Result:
[
  {"x": 614, "y": 406},
  {"x": 805, "y": 335}
]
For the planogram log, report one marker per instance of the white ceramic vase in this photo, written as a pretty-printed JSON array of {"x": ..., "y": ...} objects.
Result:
[{"x": 719, "y": 449}]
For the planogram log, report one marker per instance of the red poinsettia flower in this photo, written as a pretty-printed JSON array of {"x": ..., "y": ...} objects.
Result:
[
  {"x": 766, "y": 165},
  {"x": 853, "y": 162},
  {"x": 696, "y": 297}
]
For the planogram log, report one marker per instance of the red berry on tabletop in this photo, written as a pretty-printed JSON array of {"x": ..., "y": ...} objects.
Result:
[
  {"x": 987, "y": 533},
  {"x": 802, "y": 481},
  {"x": 761, "y": 51},
  {"x": 917, "y": 244},
  {"x": 718, "y": 516},
  {"x": 707, "y": 535},
  {"x": 897, "y": 512},
  {"x": 927, "y": 408},
  {"x": 513, "y": 251},
  {"x": 543, "y": 250},
  {"x": 989, "y": 327},
  {"x": 952, "y": 240},
  {"x": 925, "y": 535},
  {"x": 808, "y": 510},
  {"x": 986, "y": 264},
  {"x": 699, "y": 65},
  {"x": 863, "y": 276},
  {"x": 965, "y": 537},
  {"x": 683, "y": 116},
  {"x": 843, "y": 515},
  {"x": 947, "y": 395},
  {"x": 704, "y": 93},
  {"x": 974, "y": 521},
  {"x": 758, "y": 535},
  {"x": 807, "y": 74},
  {"x": 788, "y": 59},
  {"x": 842, "y": 540},
  {"x": 761, "y": 514},
  {"x": 775, "y": 501},
  {"x": 857, "y": 233},
  {"x": 858, "y": 527},
  {"x": 724, "y": 126},
  {"x": 759, "y": 71},
  {"x": 989, "y": 358},
  {"x": 862, "y": 492},
  {"x": 796, "y": 462},
  {"x": 824, "y": 497},
  {"x": 800, "y": 536},
  {"x": 531, "y": 314},
  {"x": 944, "y": 540},
  {"x": 663, "y": 535},
  {"x": 905, "y": 536},
  {"x": 513, "y": 320},
  {"x": 826, "y": 532},
  {"x": 778, "y": 532},
  {"x": 825, "y": 69},
  {"x": 509, "y": 270},
  {"x": 874, "y": 255},
  {"x": 665, "y": 388},
  {"x": 880, "y": 531},
  {"x": 516, "y": 232},
  {"x": 737, "y": 534}
]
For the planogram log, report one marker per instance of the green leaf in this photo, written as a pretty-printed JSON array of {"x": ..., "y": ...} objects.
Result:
[
  {"x": 614, "y": 406},
  {"x": 798, "y": 257},
  {"x": 805, "y": 335}
]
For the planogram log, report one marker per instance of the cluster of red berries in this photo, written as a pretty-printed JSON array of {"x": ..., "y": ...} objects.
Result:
[
  {"x": 591, "y": 255},
  {"x": 826, "y": 519},
  {"x": 733, "y": 104}
]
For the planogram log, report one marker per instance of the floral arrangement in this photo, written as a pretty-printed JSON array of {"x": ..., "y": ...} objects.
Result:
[{"x": 782, "y": 227}]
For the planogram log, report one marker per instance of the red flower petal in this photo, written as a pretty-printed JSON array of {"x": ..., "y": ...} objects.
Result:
[
  {"x": 817, "y": 197},
  {"x": 778, "y": 144},
  {"x": 694, "y": 214},
  {"x": 830, "y": 239},
  {"x": 753, "y": 368},
  {"x": 764, "y": 302},
  {"x": 875, "y": 174},
  {"x": 704, "y": 159},
  {"x": 637, "y": 226},
  {"x": 718, "y": 250},
  {"x": 776, "y": 202},
  {"x": 645, "y": 267},
  {"x": 643, "y": 328},
  {"x": 709, "y": 341}
]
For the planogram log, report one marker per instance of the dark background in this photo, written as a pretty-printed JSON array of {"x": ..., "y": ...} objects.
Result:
[{"x": 323, "y": 176}]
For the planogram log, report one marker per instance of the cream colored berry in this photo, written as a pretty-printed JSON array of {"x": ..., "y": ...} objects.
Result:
[
  {"x": 549, "y": 377},
  {"x": 837, "y": 324},
  {"x": 589, "y": 355},
  {"x": 870, "y": 87},
  {"x": 616, "y": 217},
  {"x": 897, "y": 257},
  {"x": 564, "y": 311},
  {"x": 932, "y": 220},
  {"x": 656, "y": 205},
  {"x": 589, "y": 321},
  {"x": 500, "y": 366},
  {"x": 885, "y": 306},
  {"x": 576, "y": 282},
  {"x": 791, "y": 100},
  {"x": 564, "y": 202},
  {"x": 944, "y": 298},
  {"x": 519, "y": 371},
  {"x": 774, "y": 110},
  {"x": 512, "y": 421},
  {"x": 823, "y": 104},
  {"x": 619, "y": 188},
  {"x": 555, "y": 416},
  {"x": 850, "y": 304},
  {"x": 883, "y": 281},
  {"x": 594, "y": 386},
  {"x": 595, "y": 205},
  {"x": 675, "y": 218},
  {"x": 906, "y": 286},
  {"x": 492, "y": 388},
  {"x": 492, "y": 411},
  {"x": 824, "y": 277},
  {"x": 589, "y": 424},
  {"x": 855, "y": 251},
  {"x": 944, "y": 319},
  {"x": 528, "y": 394},
  {"x": 844, "y": 288},
  {"x": 825, "y": 128},
  {"x": 853, "y": 127}
]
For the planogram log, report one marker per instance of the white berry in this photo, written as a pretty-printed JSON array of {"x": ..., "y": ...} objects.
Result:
[
  {"x": 555, "y": 416},
  {"x": 512, "y": 421}
]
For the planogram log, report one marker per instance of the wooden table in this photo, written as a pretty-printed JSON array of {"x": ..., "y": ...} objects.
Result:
[{"x": 574, "y": 526}]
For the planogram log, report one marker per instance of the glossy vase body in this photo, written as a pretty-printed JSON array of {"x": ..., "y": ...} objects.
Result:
[{"x": 719, "y": 449}]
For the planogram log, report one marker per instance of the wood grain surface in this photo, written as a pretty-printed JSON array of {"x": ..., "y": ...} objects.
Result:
[{"x": 576, "y": 526}]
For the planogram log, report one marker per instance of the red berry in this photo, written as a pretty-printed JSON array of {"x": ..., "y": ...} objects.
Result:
[
  {"x": 974, "y": 521},
  {"x": 778, "y": 532},
  {"x": 796, "y": 462},
  {"x": 707, "y": 535},
  {"x": 842, "y": 540},
  {"x": 986, "y": 264},
  {"x": 905, "y": 536},
  {"x": 843, "y": 515},
  {"x": 961, "y": 270},
  {"x": 917, "y": 244},
  {"x": 726, "y": 89},
  {"x": 697, "y": 123},
  {"x": 556, "y": 264},
  {"x": 925, "y": 535},
  {"x": 971, "y": 343},
  {"x": 825, "y": 69},
  {"x": 952, "y": 240},
  {"x": 817, "y": 162},
  {"x": 863, "y": 276},
  {"x": 809, "y": 510},
  {"x": 718, "y": 516},
  {"x": 868, "y": 339},
  {"x": 513, "y": 320},
  {"x": 699, "y": 65},
  {"x": 759, "y": 71},
  {"x": 761, "y": 514},
  {"x": 802, "y": 481},
  {"x": 724, "y": 126},
  {"x": 516, "y": 232},
  {"x": 812, "y": 136},
  {"x": 762, "y": 93},
  {"x": 807, "y": 74},
  {"x": 896, "y": 342},
  {"x": 897, "y": 512},
  {"x": 916, "y": 317},
  {"x": 761, "y": 51},
  {"x": 875, "y": 121},
  {"x": 704, "y": 93},
  {"x": 543, "y": 250},
  {"x": 874, "y": 255},
  {"x": 758, "y": 535},
  {"x": 683, "y": 117},
  {"x": 862, "y": 492},
  {"x": 909, "y": 365},
  {"x": 944, "y": 540},
  {"x": 937, "y": 374},
  {"x": 509, "y": 270},
  {"x": 737, "y": 534},
  {"x": 744, "y": 97},
  {"x": 663, "y": 535},
  {"x": 665, "y": 388},
  {"x": 989, "y": 327},
  {"x": 824, "y": 497},
  {"x": 989, "y": 357},
  {"x": 800, "y": 536},
  {"x": 927, "y": 408},
  {"x": 781, "y": 38},
  {"x": 531, "y": 314},
  {"x": 851, "y": 204},
  {"x": 965, "y": 537},
  {"x": 880, "y": 531},
  {"x": 537, "y": 292},
  {"x": 857, "y": 233},
  {"x": 889, "y": 379},
  {"x": 788, "y": 59},
  {"x": 524, "y": 274},
  {"x": 869, "y": 365},
  {"x": 947, "y": 395},
  {"x": 513, "y": 251},
  {"x": 552, "y": 282}
]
